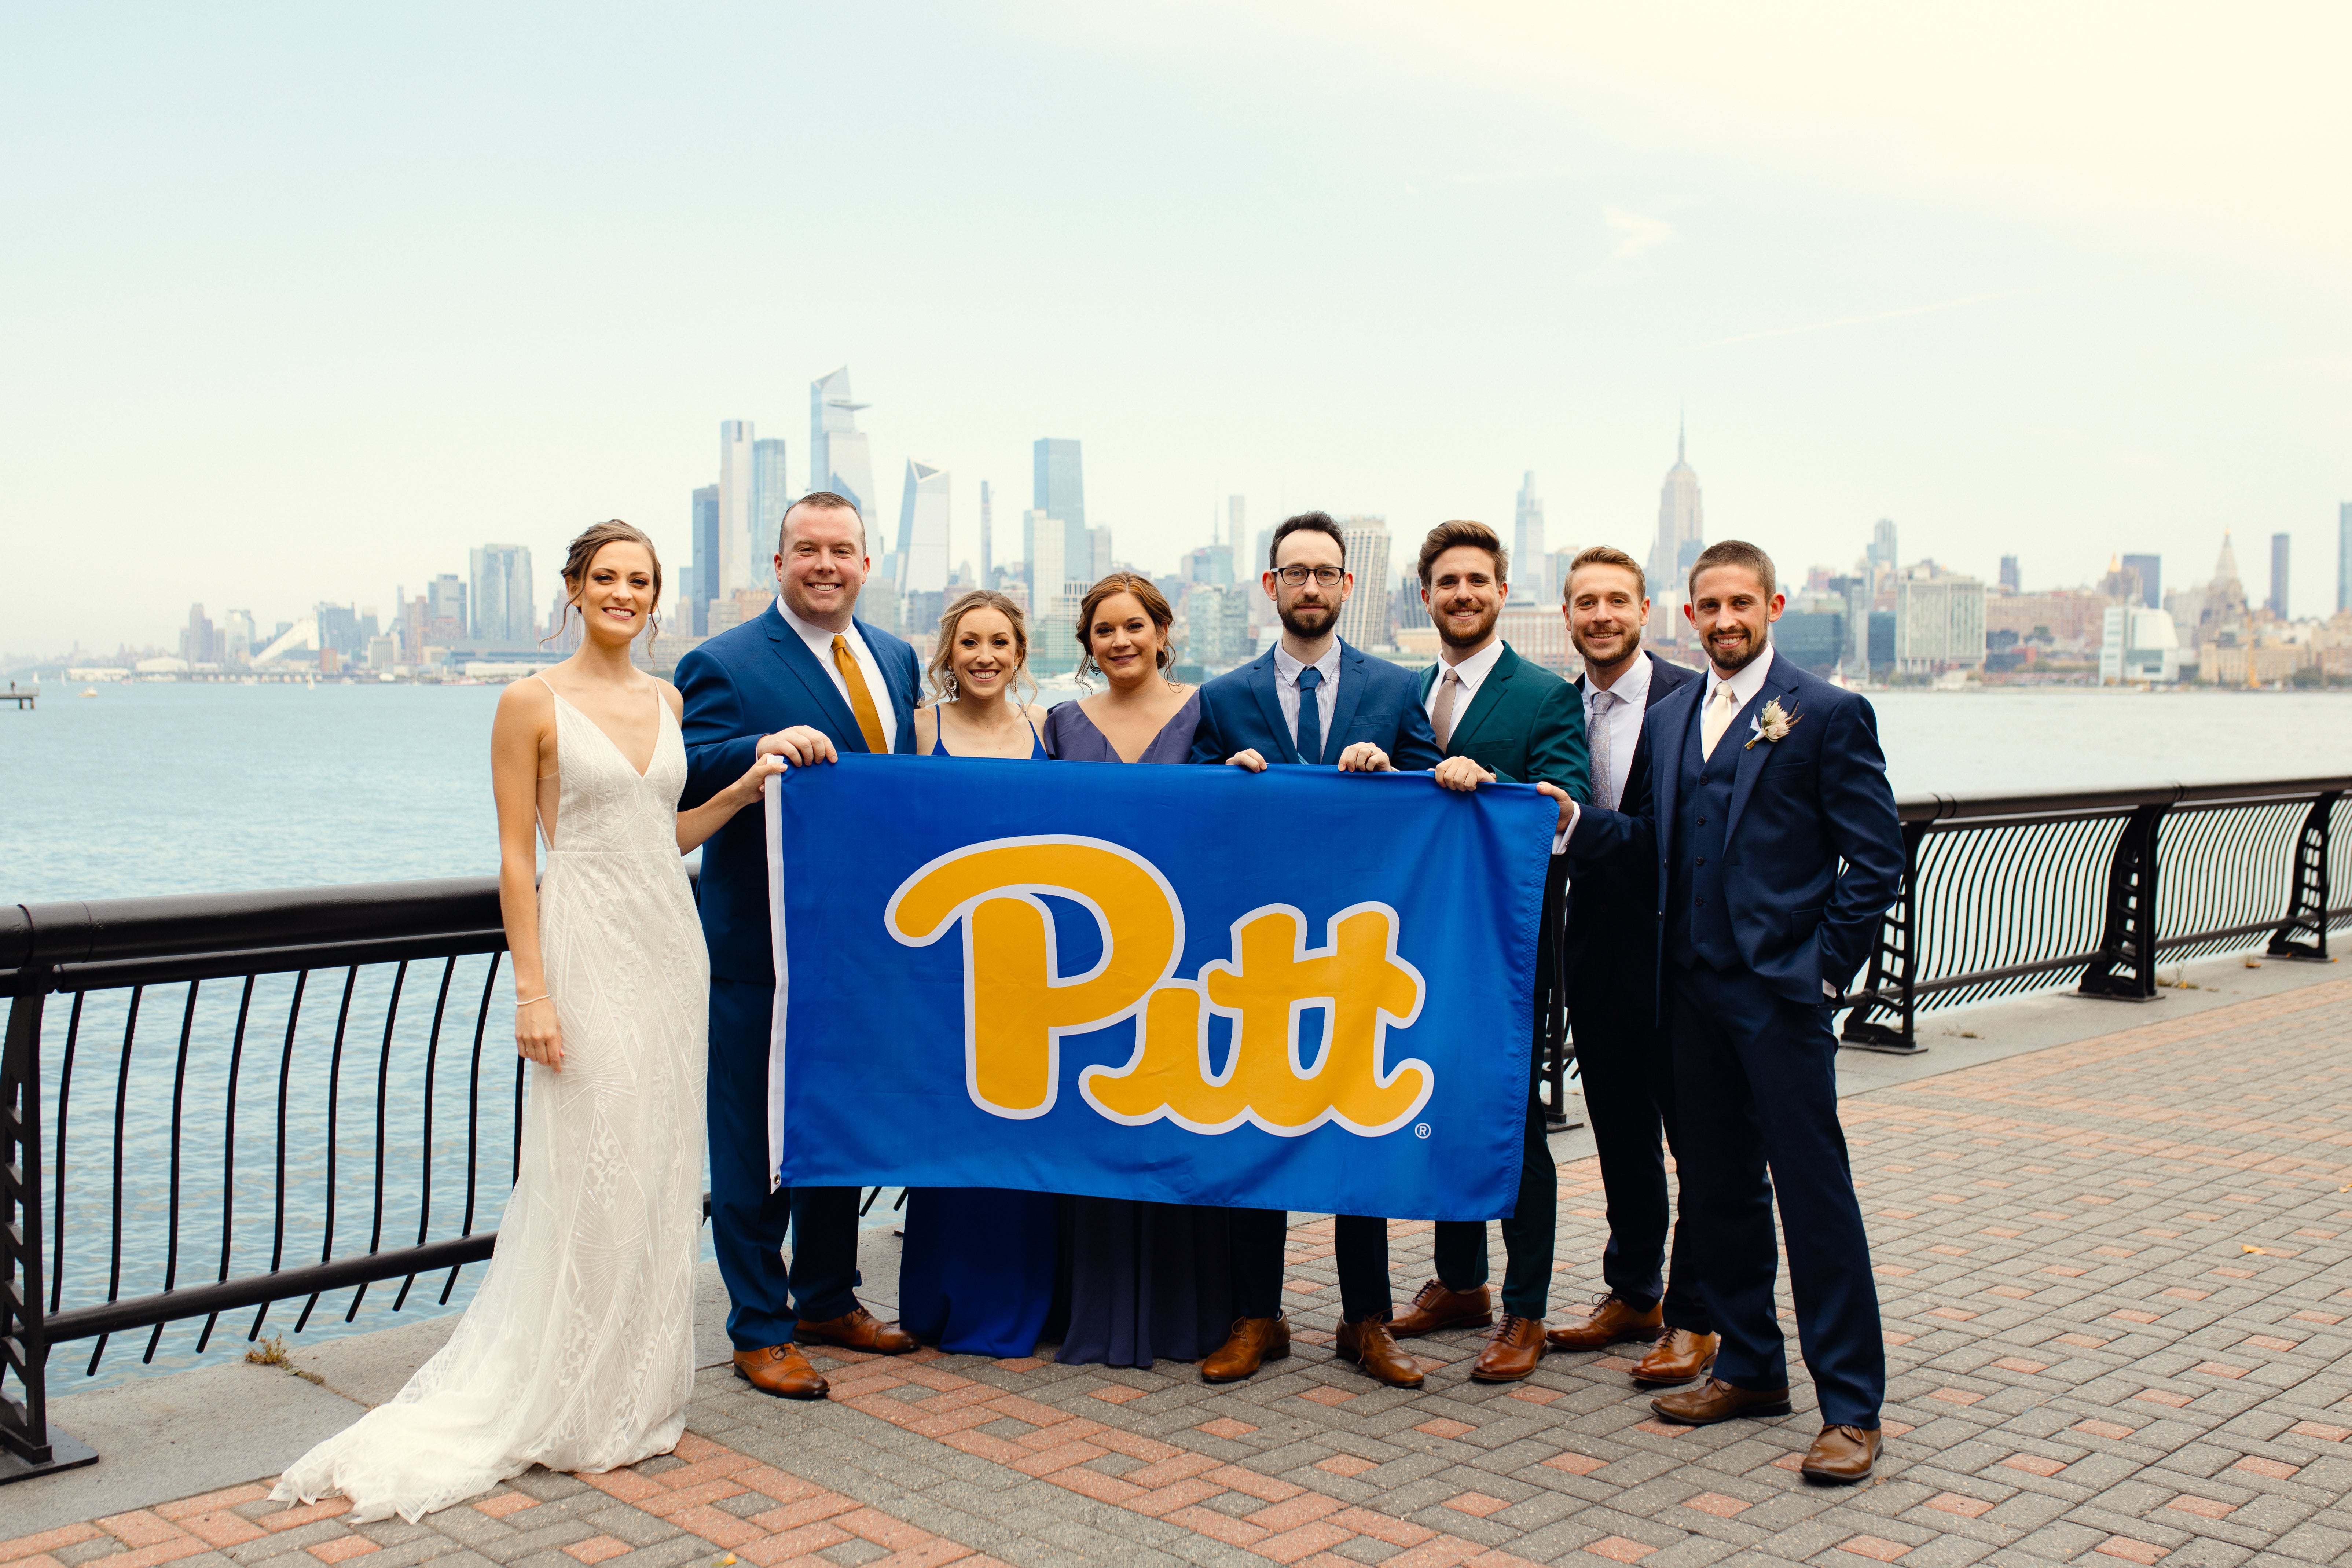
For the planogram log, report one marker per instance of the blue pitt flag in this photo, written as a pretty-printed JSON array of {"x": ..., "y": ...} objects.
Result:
[{"x": 1299, "y": 989}]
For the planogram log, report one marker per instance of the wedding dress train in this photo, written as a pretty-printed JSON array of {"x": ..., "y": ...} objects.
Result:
[{"x": 578, "y": 1350}]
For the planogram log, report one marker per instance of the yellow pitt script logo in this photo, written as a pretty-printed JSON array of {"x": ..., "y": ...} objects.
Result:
[{"x": 1017, "y": 1004}]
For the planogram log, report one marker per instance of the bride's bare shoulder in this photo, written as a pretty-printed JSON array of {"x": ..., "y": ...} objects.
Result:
[
  {"x": 669, "y": 694},
  {"x": 526, "y": 700}
]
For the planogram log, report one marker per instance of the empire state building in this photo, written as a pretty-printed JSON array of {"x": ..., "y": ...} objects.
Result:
[{"x": 1682, "y": 533}]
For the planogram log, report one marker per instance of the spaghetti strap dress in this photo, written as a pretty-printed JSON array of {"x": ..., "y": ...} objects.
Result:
[{"x": 978, "y": 1273}]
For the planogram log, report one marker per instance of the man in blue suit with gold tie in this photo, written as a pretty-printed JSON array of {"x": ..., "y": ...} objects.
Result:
[
  {"x": 1312, "y": 699},
  {"x": 1777, "y": 847},
  {"x": 805, "y": 679}
]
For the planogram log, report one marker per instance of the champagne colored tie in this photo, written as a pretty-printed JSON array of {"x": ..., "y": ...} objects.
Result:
[
  {"x": 861, "y": 699},
  {"x": 1718, "y": 717},
  {"x": 1441, "y": 719}
]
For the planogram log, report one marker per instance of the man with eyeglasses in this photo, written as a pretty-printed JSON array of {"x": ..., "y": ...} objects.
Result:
[{"x": 1313, "y": 700}]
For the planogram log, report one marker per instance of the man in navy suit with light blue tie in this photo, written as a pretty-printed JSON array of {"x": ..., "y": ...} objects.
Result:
[
  {"x": 1778, "y": 849},
  {"x": 1312, "y": 698},
  {"x": 805, "y": 680}
]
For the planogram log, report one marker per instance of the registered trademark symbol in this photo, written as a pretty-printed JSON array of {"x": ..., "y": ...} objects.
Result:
[{"x": 1421, "y": 1130}]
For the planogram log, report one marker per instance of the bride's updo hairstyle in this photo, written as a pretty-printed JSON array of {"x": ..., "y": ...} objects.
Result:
[
  {"x": 581, "y": 554},
  {"x": 939, "y": 674},
  {"x": 1155, "y": 605}
]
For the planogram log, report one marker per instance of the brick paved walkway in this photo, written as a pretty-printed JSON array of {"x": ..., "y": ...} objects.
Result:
[{"x": 2116, "y": 1290}]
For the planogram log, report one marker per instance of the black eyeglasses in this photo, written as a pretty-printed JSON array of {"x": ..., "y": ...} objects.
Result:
[{"x": 1325, "y": 576}]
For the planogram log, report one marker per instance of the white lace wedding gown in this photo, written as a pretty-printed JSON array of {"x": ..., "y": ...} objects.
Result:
[{"x": 578, "y": 1351}]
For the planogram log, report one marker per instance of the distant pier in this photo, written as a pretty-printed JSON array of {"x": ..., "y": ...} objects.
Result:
[{"x": 22, "y": 696}]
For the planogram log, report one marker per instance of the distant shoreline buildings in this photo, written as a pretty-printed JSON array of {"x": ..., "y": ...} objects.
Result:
[{"x": 1880, "y": 622}]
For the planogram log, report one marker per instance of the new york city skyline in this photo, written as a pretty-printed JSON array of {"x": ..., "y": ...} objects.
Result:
[{"x": 1375, "y": 268}]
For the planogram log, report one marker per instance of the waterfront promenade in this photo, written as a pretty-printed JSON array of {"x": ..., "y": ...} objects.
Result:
[{"x": 2112, "y": 1244}]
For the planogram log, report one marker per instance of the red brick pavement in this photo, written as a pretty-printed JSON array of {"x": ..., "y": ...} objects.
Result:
[{"x": 2114, "y": 1285}]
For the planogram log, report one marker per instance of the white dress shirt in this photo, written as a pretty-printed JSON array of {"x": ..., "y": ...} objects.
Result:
[
  {"x": 1744, "y": 684},
  {"x": 819, "y": 643},
  {"x": 1472, "y": 673},
  {"x": 1624, "y": 721},
  {"x": 1326, "y": 696}
]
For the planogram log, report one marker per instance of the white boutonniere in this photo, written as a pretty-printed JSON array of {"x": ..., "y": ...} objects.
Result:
[{"x": 1772, "y": 724}]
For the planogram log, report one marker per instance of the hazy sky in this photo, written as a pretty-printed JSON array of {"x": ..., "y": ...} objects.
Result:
[{"x": 304, "y": 300}]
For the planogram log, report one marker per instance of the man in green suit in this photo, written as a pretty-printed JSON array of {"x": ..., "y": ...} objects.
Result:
[{"x": 1497, "y": 717}]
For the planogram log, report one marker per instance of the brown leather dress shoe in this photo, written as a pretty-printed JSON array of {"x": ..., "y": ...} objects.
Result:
[
  {"x": 1610, "y": 1322},
  {"x": 1253, "y": 1342},
  {"x": 1716, "y": 1400},
  {"x": 1371, "y": 1346},
  {"x": 1842, "y": 1454},
  {"x": 1438, "y": 1308},
  {"x": 1679, "y": 1356},
  {"x": 859, "y": 1330},
  {"x": 780, "y": 1370},
  {"x": 1512, "y": 1351}
]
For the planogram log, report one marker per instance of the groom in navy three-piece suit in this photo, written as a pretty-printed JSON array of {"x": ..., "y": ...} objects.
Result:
[
  {"x": 807, "y": 681},
  {"x": 1777, "y": 848}
]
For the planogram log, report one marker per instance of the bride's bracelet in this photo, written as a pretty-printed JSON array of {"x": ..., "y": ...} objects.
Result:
[{"x": 529, "y": 1000}]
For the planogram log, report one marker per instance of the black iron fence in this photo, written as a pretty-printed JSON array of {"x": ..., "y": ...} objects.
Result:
[
  {"x": 215, "y": 1106},
  {"x": 2003, "y": 893}
]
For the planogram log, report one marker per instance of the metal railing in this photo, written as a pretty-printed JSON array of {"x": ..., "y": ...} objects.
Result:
[
  {"x": 295, "y": 1024},
  {"x": 278, "y": 1009},
  {"x": 2004, "y": 893}
]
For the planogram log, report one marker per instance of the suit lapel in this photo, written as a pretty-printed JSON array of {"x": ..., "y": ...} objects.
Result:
[
  {"x": 902, "y": 695},
  {"x": 1667, "y": 729},
  {"x": 1352, "y": 675},
  {"x": 1491, "y": 693},
  {"x": 796, "y": 657},
  {"x": 1752, "y": 757},
  {"x": 1262, "y": 687}
]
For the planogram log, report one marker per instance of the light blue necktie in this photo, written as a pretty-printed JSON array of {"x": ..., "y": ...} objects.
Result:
[{"x": 1310, "y": 717}]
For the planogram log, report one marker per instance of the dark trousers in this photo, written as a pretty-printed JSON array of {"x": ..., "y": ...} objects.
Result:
[
  {"x": 1755, "y": 1089},
  {"x": 748, "y": 1222},
  {"x": 1258, "y": 1237},
  {"x": 1527, "y": 1233},
  {"x": 1626, "y": 1067}
]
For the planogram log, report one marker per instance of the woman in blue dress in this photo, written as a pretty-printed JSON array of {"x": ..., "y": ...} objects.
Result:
[
  {"x": 1142, "y": 1279},
  {"x": 981, "y": 1264}
]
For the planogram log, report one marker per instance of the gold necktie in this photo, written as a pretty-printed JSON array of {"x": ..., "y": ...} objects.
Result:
[
  {"x": 1718, "y": 717},
  {"x": 1440, "y": 718},
  {"x": 861, "y": 699}
]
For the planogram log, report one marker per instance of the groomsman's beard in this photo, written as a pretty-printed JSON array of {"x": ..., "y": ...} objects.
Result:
[
  {"x": 1452, "y": 638},
  {"x": 1295, "y": 621},
  {"x": 1733, "y": 663}
]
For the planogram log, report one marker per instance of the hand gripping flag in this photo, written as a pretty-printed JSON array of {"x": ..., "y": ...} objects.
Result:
[{"x": 1296, "y": 989}]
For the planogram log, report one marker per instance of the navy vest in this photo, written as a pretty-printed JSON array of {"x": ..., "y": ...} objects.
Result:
[{"x": 1698, "y": 921}]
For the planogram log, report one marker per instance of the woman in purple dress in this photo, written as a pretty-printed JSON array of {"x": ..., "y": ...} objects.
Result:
[{"x": 1142, "y": 1280}]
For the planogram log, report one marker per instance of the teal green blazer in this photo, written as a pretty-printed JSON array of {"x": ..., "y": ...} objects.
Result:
[{"x": 1525, "y": 726}]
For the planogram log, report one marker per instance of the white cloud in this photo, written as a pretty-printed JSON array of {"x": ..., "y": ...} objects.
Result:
[{"x": 1632, "y": 234}]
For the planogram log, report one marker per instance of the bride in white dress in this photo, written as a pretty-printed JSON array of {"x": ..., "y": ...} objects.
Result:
[{"x": 578, "y": 1351}]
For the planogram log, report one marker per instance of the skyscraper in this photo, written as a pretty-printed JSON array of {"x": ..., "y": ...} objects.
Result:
[
  {"x": 2149, "y": 569},
  {"x": 2344, "y": 555},
  {"x": 735, "y": 470},
  {"x": 922, "y": 549},
  {"x": 838, "y": 458},
  {"x": 772, "y": 492},
  {"x": 2012, "y": 581},
  {"x": 706, "y": 557},
  {"x": 1059, "y": 487},
  {"x": 2278, "y": 599},
  {"x": 1053, "y": 614},
  {"x": 1364, "y": 618},
  {"x": 502, "y": 607},
  {"x": 1235, "y": 508},
  {"x": 1882, "y": 544},
  {"x": 1682, "y": 530},
  {"x": 1528, "y": 556},
  {"x": 987, "y": 543}
]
